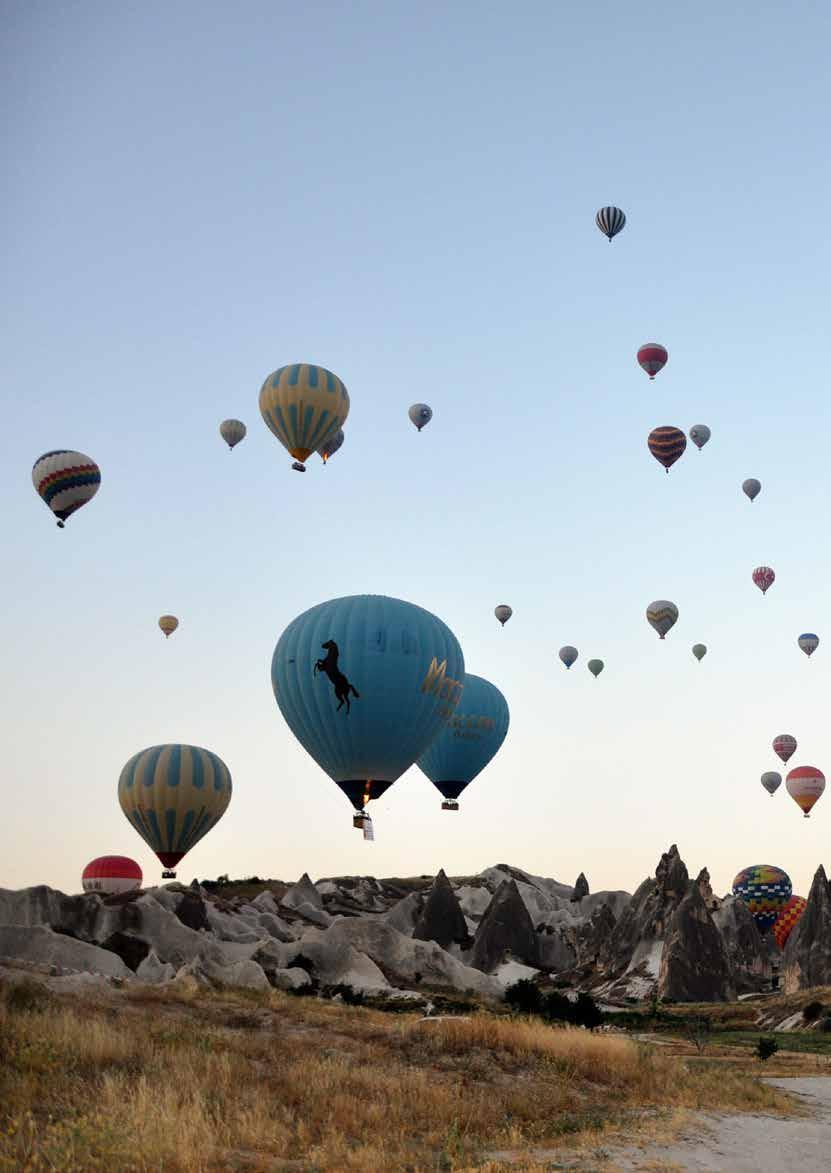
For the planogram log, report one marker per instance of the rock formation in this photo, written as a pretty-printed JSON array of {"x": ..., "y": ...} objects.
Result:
[
  {"x": 581, "y": 888},
  {"x": 806, "y": 960},
  {"x": 750, "y": 967},
  {"x": 505, "y": 931},
  {"x": 694, "y": 963},
  {"x": 441, "y": 918}
]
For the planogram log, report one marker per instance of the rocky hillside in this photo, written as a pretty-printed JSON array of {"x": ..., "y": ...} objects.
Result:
[{"x": 420, "y": 937}]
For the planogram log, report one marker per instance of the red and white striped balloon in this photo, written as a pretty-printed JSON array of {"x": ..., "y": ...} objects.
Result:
[
  {"x": 764, "y": 577},
  {"x": 805, "y": 785},
  {"x": 652, "y": 357},
  {"x": 110, "y": 874}
]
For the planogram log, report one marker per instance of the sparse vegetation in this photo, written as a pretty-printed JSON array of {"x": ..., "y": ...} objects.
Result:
[
  {"x": 187, "y": 1081},
  {"x": 766, "y": 1047}
]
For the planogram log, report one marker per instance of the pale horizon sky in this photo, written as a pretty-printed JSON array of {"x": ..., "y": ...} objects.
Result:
[{"x": 197, "y": 194}]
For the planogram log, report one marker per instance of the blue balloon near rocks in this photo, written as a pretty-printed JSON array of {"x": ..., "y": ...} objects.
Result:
[
  {"x": 365, "y": 683},
  {"x": 469, "y": 740}
]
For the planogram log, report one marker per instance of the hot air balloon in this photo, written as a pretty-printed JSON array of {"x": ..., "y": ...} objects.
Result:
[
  {"x": 468, "y": 741},
  {"x": 420, "y": 414},
  {"x": 764, "y": 577},
  {"x": 65, "y": 480},
  {"x": 805, "y": 785},
  {"x": 168, "y": 624},
  {"x": 303, "y": 405},
  {"x": 111, "y": 874},
  {"x": 503, "y": 613},
  {"x": 699, "y": 651},
  {"x": 568, "y": 655},
  {"x": 232, "y": 431},
  {"x": 765, "y": 890},
  {"x": 331, "y": 446},
  {"x": 662, "y": 615},
  {"x": 784, "y": 746},
  {"x": 771, "y": 780},
  {"x": 595, "y": 667},
  {"x": 751, "y": 487},
  {"x": 365, "y": 683},
  {"x": 652, "y": 357},
  {"x": 610, "y": 221},
  {"x": 808, "y": 642},
  {"x": 788, "y": 919},
  {"x": 700, "y": 434},
  {"x": 173, "y": 795},
  {"x": 667, "y": 445}
]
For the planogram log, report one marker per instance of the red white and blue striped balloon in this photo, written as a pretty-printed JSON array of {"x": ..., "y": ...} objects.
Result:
[
  {"x": 65, "y": 480},
  {"x": 610, "y": 221}
]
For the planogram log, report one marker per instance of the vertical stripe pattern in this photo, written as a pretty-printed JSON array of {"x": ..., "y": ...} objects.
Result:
[
  {"x": 610, "y": 221},
  {"x": 303, "y": 405}
]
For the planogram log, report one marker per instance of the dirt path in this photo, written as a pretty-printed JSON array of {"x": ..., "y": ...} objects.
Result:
[{"x": 745, "y": 1144}]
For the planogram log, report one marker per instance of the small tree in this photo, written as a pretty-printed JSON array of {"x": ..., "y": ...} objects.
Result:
[
  {"x": 697, "y": 1031},
  {"x": 524, "y": 997},
  {"x": 766, "y": 1046},
  {"x": 558, "y": 1008},
  {"x": 586, "y": 1012}
]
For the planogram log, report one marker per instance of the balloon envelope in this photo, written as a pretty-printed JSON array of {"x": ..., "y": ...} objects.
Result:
[
  {"x": 805, "y": 785},
  {"x": 751, "y": 487},
  {"x": 765, "y": 890},
  {"x": 503, "y": 613},
  {"x": 610, "y": 221},
  {"x": 173, "y": 795},
  {"x": 568, "y": 655},
  {"x": 667, "y": 445},
  {"x": 365, "y": 683},
  {"x": 652, "y": 357},
  {"x": 808, "y": 642},
  {"x": 65, "y": 480},
  {"x": 764, "y": 578},
  {"x": 469, "y": 740},
  {"x": 788, "y": 919},
  {"x": 700, "y": 434},
  {"x": 662, "y": 615},
  {"x": 111, "y": 874},
  {"x": 784, "y": 746},
  {"x": 771, "y": 780},
  {"x": 699, "y": 651},
  {"x": 595, "y": 667},
  {"x": 332, "y": 445},
  {"x": 232, "y": 431},
  {"x": 303, "y": 405},
  {"x": 168, "y": 624},
  {"x": 420, "y": 414}
]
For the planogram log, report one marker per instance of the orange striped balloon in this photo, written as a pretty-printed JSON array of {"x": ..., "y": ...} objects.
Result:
[
  {"x": 667, "y": 445},
  {"x": 788, "y": 919}
]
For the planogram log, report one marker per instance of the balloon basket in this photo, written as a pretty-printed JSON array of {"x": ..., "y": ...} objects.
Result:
[
  {"x": 298, "y": 466},
  {"x": 168, "y": 875},
  {"x": 450, "y": 806},
  {"x": 358, "y": 820}
]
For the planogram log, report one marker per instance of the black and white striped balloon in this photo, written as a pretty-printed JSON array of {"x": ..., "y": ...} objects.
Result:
[{"x": 610, "y": 221}]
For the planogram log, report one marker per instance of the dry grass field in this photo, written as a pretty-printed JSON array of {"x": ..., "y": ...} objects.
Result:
[{"x": 186, "y": 1081}]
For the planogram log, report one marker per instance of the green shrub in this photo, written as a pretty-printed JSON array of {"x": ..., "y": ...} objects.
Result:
[
  {"x": 586, "y": 1012},
  {"x": 524, "y": 997},
  {"x": 766, "y": 1046},
  {"x": 812, "y": 1011}
]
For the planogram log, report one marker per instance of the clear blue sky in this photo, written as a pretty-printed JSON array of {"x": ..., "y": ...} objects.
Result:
[{"x": 199, "y": 193}]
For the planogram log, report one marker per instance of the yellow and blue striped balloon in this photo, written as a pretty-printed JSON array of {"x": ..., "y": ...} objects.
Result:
[
  {"x": 173, "y": 795},
  {"x": 303, "y": 405}
]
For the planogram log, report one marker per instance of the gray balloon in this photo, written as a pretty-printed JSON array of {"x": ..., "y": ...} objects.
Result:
[
  {"x": 700, "y": 434},
  {"x": 232, "y": 431},
  {"x": 771, "y": 781},
  {"x": 503, "y": 613},
  {"x": 699, "y": 651},
  {"x": 330, "y": 447},
  {"x": 420, "y": 414},
  {"x": 751, "y": 487},
  {"x": 595, "y": 667}
]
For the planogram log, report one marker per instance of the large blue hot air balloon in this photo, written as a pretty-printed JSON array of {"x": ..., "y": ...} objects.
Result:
[
  {"x": 365, "y": 684},
  {"x": 468, "y": 741}
]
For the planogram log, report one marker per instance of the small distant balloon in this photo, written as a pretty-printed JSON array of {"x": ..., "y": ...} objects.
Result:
[
  {"x": 332, "y": 445},
  {"x": 764, "y": 578},
  {"x": 503, "y": 613},
  {"x": 667, "y": 445},
  {"x": 662, "y": 615},
  {"x": 784, "y": 746},
  {"x": 420, "y": 414},
  {"x": 699, "y": 651},
  {"x": 610, "y": 221},
  {"x": 700, "y": 434},
  {"x": 652, "y": 357},
  {"x": 805, "y": 785},
  {"x": 568, "y": 655},
  {"x": 788, "y": 919},
  {"x": 168, "y": 624},
  {"x": 65, "y": 480},
  {"x": 232, "y": 431},
  {"x": 771, "y": 780},
  {"x": 111, "y": 874},
  {"x": 595, "y": 667},
  {"x": 751, "y": 488},
  {"x": 808, "y": 642}
]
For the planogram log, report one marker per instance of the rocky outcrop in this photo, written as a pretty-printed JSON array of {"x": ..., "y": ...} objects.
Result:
[
  {"x": 43, "y": 946},
  {"x": 304, "y": 899},
  {"x": 750, "y": 967},
  {"x": 581, "y": 888},
  {"x": 591, "y": 937},
  {"x": 505, "y": 932},
  {"x": 694, "y": 963},
  {"x": 190, "y": 910},
  {"x": 441, "y": 919},
  {"x": 154, "y": 972},
  {"x": 710, "y": 900},
  {"x": 806, "y": 960},
  {"x": 644, "y": 922}
]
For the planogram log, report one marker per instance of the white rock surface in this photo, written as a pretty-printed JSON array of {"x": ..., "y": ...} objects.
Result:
[{"x": 40, "y": 944}]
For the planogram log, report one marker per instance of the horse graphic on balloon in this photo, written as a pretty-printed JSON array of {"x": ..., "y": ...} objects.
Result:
[{"x": 329, "y": 666}]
